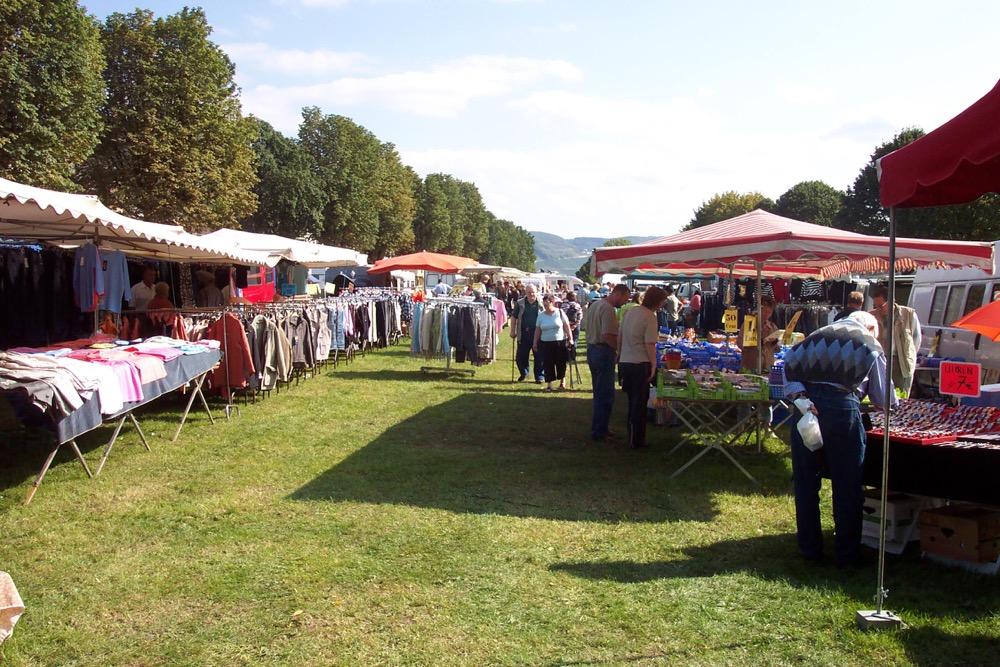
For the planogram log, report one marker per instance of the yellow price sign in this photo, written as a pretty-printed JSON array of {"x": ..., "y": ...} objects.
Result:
[
  {"x": 750, "y": 331},
  {"x": 731, "y": 320},
  {"x": 790, "y": 327}
]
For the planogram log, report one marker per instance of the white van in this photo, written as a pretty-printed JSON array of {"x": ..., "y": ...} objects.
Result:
[{"x": 941, "y": 296}]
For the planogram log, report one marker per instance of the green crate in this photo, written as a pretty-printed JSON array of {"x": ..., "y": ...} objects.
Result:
[
  {"x": 763, "y": 393},
  {"x": 671, "y": 391}
]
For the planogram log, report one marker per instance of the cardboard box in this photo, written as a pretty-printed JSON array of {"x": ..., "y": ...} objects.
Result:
[
  {"x": 961, "y": 532},
  {"x": 901, "y": 511}
]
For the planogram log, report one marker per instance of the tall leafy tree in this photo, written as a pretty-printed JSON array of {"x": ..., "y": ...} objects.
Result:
[
  {"x": 811, "y": 201},
  {"x": 349, "y": 160},
  {"x": 863, "y": 212},
  {"x": 51, "y": 90},
  {"x": 730, "y": 204},
  {"x": 476, "y": 230},
  {"x": 176, "y": 147},
  {"x": 289, "y": 191},
  {"x": 432, "y": 227},
  {"x": 397, "y": 205}
]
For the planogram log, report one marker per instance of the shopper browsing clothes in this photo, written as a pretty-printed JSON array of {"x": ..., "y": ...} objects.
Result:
[
  {"x": 524, "y": 319},
  {"x": 600, "y": 323},
  {"x": 906, "y": 337},
  {"x": 552, "y": 336},
  {"x": 637, "y": 360},
  {"x": 835, "y": 367}
]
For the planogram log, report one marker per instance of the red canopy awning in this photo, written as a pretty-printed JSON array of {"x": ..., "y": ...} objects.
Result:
[
  {"x": 766, "y": 238},
  {"x": 422, "y": 261},
  {"x": 956, "y": 163}
]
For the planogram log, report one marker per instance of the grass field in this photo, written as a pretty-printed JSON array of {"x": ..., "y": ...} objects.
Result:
[{"x": 374, "y": 515}]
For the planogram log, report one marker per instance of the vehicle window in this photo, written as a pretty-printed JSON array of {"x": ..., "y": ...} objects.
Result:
[
  {"x": 953, "y": 310},
  {"x": 974, "y": 299},
  {"x": 937, "y": 304},
  {"x": 994, "y": 292}
]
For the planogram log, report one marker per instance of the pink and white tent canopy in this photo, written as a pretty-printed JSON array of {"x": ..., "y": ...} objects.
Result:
[
  {"x": 762, "y": 237},
  {"x": 69, "y": 220}
]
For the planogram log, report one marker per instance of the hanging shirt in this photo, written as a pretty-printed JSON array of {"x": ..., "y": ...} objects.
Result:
[
  {"x": 88, "y": 278},
  {"x": 116, "y": 287}
]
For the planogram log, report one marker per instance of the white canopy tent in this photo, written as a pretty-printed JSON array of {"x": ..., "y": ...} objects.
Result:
[
  {"x": 69, "y": 220},
  {"x": 312, "y": 255}
]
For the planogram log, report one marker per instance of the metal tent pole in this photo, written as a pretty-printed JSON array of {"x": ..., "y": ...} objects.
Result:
[{"x": 880, "y": 618}]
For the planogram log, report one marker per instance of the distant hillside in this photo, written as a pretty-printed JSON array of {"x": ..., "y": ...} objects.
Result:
[{"x": 566, "y": 255}]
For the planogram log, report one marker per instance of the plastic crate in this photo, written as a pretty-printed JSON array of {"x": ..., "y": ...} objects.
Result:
[
  {"x": 723, "y": 393},
  {"x": 671, "y": 391},
  {"x": 762, "y": 393}
]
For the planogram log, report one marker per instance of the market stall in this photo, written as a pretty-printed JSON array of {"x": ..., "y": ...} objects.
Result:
[
  {"x": 954, "y": 164},
  {"x": 761, "y": 239},
  {"x": 303, "y": 253}
]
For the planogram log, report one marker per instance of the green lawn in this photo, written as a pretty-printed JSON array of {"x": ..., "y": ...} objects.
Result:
[{"x": 374, "y": 515}]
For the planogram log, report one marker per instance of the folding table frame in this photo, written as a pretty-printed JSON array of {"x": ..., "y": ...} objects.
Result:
[
  {"x": 196, "y": 385},
  {"x": 705, "y": 420}
]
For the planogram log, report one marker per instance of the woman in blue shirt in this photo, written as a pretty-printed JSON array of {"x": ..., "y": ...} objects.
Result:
[{"x": 553, "y": 337}]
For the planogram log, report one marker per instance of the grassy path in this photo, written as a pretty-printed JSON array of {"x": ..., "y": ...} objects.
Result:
[{"x": 377, "y": 516}]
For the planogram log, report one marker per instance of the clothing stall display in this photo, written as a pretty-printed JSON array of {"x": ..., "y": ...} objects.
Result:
[
  {"x": 76, "y": 386},
  {"x": 441, "y": 325}
]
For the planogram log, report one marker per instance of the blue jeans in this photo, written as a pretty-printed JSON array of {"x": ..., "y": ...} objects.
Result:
[
  {"x": 601, "y": 360},
  {"x": 842, "y": 456}
]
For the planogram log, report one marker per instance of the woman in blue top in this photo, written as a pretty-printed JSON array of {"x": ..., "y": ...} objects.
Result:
[{"x": 553, "y": 336}]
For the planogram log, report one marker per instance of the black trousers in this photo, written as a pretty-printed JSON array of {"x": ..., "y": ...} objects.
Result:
[
  {"x": 524, "y": 355},
  {"x": 553, "y": 355},
  {"x": 635, "y": 382}
]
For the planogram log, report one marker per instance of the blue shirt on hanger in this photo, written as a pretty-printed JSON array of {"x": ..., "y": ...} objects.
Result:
[
  {"x": 88, "y": 278},
  {"x": 117, "y": 286}
]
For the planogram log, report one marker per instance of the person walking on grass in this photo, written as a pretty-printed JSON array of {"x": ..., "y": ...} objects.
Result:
[
  {"x": 601, "y": 325},
  {"x": 523, "y": 319},
  {"x": 552, "y": 336},
  {"x": 637, "y": 360}
]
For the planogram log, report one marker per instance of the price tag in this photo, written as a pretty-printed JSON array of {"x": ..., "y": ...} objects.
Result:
[
  {"x": 731, "y": 320},
  {"x": 960, "y": 379},
  {"x": 750, "y": 331},
  {"x": 790, "y": 328}
]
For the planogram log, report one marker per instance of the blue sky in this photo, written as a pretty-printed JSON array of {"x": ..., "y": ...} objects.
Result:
[{"x": 609, "y": 118}]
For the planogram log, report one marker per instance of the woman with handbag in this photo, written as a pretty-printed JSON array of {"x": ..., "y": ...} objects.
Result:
[{"x": 552, "y": 337}]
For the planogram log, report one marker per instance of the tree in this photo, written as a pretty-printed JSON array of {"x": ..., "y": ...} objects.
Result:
[
  {"x": 175, "y": 148},
  {"x": 863, "y": 212},
  {"x": 727, "y": 205},
  {"x": 51, "y": 90},
  {"x": 811, "y": 201},
  {"x": 349, "y": 160},
  {"x": 397, "y": 205},
  {"x": 289, "y": 191},
  {"x": 584, "y": 274},
  {"x": 432, "y": 226}
]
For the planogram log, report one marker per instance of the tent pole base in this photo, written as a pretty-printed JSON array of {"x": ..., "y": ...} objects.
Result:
[{"x": 878, "y": 620}]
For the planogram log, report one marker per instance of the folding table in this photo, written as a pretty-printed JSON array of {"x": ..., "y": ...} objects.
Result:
[
  {"x": 706, "y": 422},
  {"x": 187, "y": 370}
]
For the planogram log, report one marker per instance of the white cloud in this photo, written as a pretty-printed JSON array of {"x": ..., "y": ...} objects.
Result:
[
  {"x": 443, "y": 91},
  {"x": 643, "y": 166},
  {"x": 259, "y": 23},
  {"x": 262, "y": 57}
]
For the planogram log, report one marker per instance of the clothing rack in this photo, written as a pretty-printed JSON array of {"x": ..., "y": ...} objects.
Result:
[{"x": 458, "y": 301}]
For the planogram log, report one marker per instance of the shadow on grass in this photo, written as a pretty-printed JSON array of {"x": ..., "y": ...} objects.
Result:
[
  {"x": 24, "y": 450},
  {"x": 523, "y": 454},
  {"x": 917, "y": 586},
  {"x": 416, "y": 375}
]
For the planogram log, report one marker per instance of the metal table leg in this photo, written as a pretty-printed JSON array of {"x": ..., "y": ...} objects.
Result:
[
  {"x": 48, "y": 463},
  {"x": 196, "y": 391}
]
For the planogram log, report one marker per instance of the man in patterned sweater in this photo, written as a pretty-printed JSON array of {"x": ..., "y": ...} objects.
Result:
[{"x": 835, "y": 367}]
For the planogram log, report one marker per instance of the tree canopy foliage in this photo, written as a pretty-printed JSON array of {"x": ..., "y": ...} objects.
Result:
[
  {"x": 175, "y": 147},
  {"x": 730, "y": 204},
  {"x": 51, "y": 90},
  {"x": 863, "y": 212},
  {"x": 811, "y": 201}
]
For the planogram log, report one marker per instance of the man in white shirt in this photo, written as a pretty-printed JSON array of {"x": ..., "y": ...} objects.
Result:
[{"x": 143, "y": 291}]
